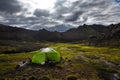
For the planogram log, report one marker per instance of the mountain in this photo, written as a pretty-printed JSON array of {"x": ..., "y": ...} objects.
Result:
[
  {"x": 14, "y": 33},
  {"x": 110, "y": 36},
  {"x": 85, "y": 32},
  {"x": 59, "y": 28},
  {"x": 111, "y": 32},
  {"x": 80, "y": 33},
  {"x": 114, "y": 31}
]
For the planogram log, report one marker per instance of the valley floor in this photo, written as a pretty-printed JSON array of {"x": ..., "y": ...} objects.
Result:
[{"x": 81, "y": 63}]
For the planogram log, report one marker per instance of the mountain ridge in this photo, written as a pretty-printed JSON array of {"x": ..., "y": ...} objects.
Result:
[{"x": 84, "y": 32}]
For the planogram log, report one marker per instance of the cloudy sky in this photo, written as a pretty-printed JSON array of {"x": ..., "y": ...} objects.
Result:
[{"x": 37, "y": 14}]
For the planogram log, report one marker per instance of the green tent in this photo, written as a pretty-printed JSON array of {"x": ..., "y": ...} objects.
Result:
[{"x": 46, "y": 54}]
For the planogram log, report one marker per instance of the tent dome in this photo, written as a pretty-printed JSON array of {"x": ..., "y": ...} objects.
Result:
[{"x": 46, "y": 54}]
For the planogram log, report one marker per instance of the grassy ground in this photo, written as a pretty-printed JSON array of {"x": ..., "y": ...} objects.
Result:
[
  {"x": 81, "y": 63},
  {"x": 9, "y": 46}
]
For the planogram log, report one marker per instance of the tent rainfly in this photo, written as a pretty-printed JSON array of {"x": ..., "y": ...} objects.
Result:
[{"x": 46, "y": 54}]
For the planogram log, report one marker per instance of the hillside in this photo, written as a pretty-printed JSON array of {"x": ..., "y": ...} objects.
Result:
[
  {"x": 109, "y": 36},
  {"x": 14, "y": 33}
]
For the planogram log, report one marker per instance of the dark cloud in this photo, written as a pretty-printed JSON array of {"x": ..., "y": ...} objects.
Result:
[
  {"x": 41, "y": 12},
  {"x": 74, "y": 16},
  {"x": 91, "y": 3},
  {"x": 10, "y": 6},
  {"x": 62, "y": 8},
  {"x": 66, "y": 12}
]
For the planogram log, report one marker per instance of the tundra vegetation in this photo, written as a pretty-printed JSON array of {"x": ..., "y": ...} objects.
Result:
[{"x": 81, "y": 62}]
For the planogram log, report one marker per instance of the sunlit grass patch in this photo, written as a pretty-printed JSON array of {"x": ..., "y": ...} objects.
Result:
[{"x": 16, "y": 57}]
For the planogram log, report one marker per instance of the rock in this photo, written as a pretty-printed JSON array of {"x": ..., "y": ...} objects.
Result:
[
  {"x": 69, "y": 61},
  {"x": 23, "y": 79},
  {"x": 108, "y": 63},
  {"x": 109, "y": 75},
  {"x": 116, "y": 76},
  {"x": 32, "y": 78},
  {"x": 72, "y": 78},
  {"x": 44, "y": 78},
  {"x": 17, "y": 66},
  {"x": 59, "y": 67}
]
